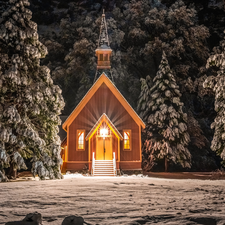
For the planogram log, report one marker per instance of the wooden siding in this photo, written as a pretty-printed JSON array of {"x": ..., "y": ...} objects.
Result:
[
  {"x": 73, "y": 153},
  {"x": 130, "y": 165},
  {"x": 74, "y": 166},
  {"x": 102, "y": 79},
  {"x": 103, "y": 101},
  {"x": 134, "y": 153}
]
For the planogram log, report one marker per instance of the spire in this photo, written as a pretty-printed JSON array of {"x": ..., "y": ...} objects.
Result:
[
  {"x": 103, "y": 51},
  {"x": 103, "y": 37}
]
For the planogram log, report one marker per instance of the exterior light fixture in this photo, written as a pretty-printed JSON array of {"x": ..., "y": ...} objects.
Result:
[{"x": 104, "y": 132}]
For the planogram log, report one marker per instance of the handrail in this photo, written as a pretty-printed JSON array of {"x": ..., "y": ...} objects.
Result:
[
  {"x": 114, "y": 164},
  {"x": 93, "y": 164}
]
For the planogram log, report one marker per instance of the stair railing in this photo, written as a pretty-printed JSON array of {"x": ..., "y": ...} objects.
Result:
[
  {"x": 93, "y": 165},
  {"x": 114, "y": 164}
]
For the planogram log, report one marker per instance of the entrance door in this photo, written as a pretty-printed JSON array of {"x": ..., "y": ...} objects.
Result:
[{"x": 104, "y": 148}]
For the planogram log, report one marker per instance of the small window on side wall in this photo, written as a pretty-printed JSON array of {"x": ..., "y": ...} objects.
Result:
[
  {"x": 127, "y": 140},
  {"x": 80, "y": 140}
]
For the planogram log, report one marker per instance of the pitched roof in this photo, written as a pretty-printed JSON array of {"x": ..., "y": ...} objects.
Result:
[
  {"x": 103, "y": 79},
  {"x": 103, "y": 118}
]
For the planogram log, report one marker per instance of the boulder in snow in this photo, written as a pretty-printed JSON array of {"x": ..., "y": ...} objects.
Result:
[
  {"x": 73, "y": 220},
  {"x": 30, "y": 219}
]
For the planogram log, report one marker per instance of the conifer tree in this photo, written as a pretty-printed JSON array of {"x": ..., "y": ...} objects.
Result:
[
  {"x": 29, "y": 101},
  {"x": 216, "y": 83},
  {"x": 160, "y": 107}
]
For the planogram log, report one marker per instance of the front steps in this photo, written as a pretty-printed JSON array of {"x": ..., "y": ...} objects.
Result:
[{"x": 103, "y": 168}]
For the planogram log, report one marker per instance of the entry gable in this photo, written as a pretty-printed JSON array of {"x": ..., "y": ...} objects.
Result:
[
  {"x": 104, "y": 118},
  {"x": 103, "y": 79}
]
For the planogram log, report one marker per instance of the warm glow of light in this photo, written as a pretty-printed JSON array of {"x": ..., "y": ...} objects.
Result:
[
  {"x": 81, "y": 140},
  {"x": 126, "y": 139},
  {"x": 104, "y": 132}
]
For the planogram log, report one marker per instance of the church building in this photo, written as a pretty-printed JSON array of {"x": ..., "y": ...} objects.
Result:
[{"x": 103, "y": 131}]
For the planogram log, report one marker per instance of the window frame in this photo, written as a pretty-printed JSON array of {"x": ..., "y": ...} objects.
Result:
[
  {"x": 77, "y": 138},
  {"x": 130, "y": 140}
]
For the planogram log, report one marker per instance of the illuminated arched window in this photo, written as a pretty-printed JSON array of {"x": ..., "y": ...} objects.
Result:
[
  {"x": 80, "y": 140},
  {"x": 127, "y": 140}
]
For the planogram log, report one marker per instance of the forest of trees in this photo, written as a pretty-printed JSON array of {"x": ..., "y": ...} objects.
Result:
[{"x": 188, "y": 32}]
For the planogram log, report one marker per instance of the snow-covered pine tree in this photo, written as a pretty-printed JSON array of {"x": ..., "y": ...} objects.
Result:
[
  {"x": 144, "y": 97},
  {"x": 216, "y": 83},
  {"x": 160, "y": 107},
  {"x": 29, "y": 101}
]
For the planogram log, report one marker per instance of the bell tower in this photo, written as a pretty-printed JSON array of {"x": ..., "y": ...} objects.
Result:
[{"x": 103, "y": 51}]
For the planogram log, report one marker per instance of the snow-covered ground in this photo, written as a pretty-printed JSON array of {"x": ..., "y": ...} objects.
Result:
[{"x": 116, "y": 200}]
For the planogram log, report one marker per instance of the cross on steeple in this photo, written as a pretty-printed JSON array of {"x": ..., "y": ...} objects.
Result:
[{"x": 103, "y": 52}]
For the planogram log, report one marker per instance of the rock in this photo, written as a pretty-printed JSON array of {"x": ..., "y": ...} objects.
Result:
[
  {"x": 73, "y": 220},
  {"x": 204, "y": 220},
  {"x": 30, "y": 219},
  {"x": 33, "y": 217}
]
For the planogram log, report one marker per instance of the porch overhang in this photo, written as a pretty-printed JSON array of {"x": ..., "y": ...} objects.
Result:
[{"x": 104, "y": 118}]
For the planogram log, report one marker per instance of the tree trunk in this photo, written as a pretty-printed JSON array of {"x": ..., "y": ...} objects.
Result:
[
  {"x": 12, "y": 172},
  {"x": 166, "y": 164}
]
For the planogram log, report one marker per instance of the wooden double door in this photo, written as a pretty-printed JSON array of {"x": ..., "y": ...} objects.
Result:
[{"x": 104, "y": 148}]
